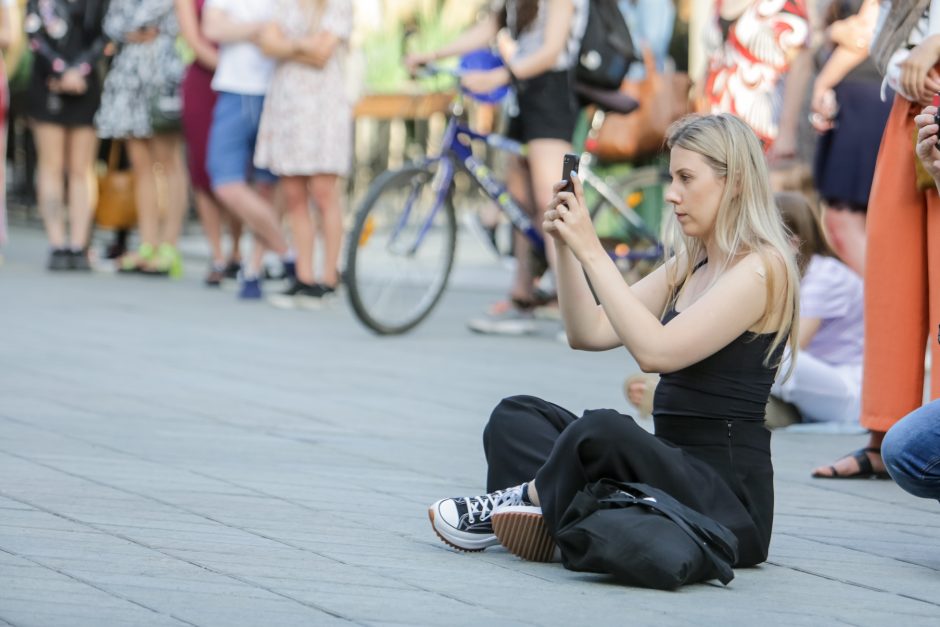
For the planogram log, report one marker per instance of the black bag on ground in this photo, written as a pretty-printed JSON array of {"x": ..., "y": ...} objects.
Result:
[
  {"x": 606, "y": 48},
  {"x": 643, "y": 537}
]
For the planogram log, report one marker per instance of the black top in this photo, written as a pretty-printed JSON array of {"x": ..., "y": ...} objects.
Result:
[
  {"x": 66, "y": 34},
  {"x": 731, "y": 384}
]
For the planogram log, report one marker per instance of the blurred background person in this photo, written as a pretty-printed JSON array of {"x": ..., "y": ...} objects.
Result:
[
  {"x": 67, "y": 41},
  {"x": 305, "y": 134},
  {"x": 826, "y": 383},
  {"x": 147, "y": 66},
  {"x": 241, "y": 79},
  {"x": 751, "y": 45},
  {"x": 538, "y": 40},
  {"x": 198, "y": 102},
  {"x": 8, "y": 33},
  {"x": 848, "y": 110}
]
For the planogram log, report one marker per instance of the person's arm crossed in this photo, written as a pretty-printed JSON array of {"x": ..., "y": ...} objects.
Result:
[{"x": 926, "y": 149}]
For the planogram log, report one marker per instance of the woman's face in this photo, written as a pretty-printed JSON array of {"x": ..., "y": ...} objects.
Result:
[{"x": 695, "y": 192}]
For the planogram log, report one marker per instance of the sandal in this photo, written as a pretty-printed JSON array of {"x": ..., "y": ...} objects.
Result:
[
  {"x": 865, "y": 469},
  {"x": 166, "y": 262},
  {"x": 136, "y": 261}
]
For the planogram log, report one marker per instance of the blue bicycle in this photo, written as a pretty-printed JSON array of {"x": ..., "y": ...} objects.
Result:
[{"x": 403, "y": 242}]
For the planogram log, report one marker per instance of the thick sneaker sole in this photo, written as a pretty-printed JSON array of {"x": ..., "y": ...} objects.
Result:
[
  {"x": 523, "y": 532},
  {"x": 469, "y": 546}
]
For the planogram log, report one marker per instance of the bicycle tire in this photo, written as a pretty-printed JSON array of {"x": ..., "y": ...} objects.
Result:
[{"x": 380, "y": 197}]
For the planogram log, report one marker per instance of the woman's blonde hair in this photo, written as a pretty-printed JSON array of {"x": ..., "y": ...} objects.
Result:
[{"x": 747, "y": 220}]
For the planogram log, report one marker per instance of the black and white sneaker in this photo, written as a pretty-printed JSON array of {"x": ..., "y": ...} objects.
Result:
[{"x": 465, "y": 523}]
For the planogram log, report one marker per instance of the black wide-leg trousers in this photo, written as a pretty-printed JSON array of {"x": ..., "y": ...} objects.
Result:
[{"x": 720, "y": 468}]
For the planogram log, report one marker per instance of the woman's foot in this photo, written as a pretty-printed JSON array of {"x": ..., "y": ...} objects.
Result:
[
  {"x": 865, "y": 463},
  {"x": 136, "y": 261},
  {"x": 59, "y": 259},
  {"x": 521, "y": 529},
  {"x": 466, "y": 524}
]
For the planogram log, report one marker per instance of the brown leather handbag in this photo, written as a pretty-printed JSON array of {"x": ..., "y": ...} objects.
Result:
[
  {"x": 117, "y": 208},
  {"x": 663, "y": 98}
]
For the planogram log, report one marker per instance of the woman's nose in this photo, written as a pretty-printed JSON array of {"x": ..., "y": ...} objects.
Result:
[{"x": 672, "y": 196}]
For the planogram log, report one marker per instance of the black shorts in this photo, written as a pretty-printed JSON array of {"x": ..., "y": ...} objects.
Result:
[{"x": 548, "y": 108}]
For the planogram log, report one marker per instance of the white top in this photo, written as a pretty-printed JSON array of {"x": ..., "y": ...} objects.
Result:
[
  {"x": 530, "y": 39},
  {"x": 242, "y": 68}
]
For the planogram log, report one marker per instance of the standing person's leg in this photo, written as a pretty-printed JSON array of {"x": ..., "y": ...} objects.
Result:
[
  {"x": 82, "y": 146},
  {"x": 846, "y": 230},
  {"x": 297, "y": 203},
  {"x": 895, "y": 294},
  {"x": 324, "y": 189},
  {"x": 230, "y": 154},
  {"x": 4, "y": 110},
  {"x": 210, "y": 216},
  {"x": 168, "y": 152},
  {"x": 145, "y": 194},
  {"x": 50, "y": 188},
  {"x": 911, "y": 451},
  {"x": 545, "y": 160}
]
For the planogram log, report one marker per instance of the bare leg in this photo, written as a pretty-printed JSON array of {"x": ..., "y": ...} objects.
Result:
[
  {"x": 234, "y": 229},
  {"x": 145, "y": 190},
  {"x": 210, "y": 217},
  {"x": 50, "y": 146},
  {"x": 168, "y": 152},
  {"x": 325, "y": 190},
  {"x": 846, "y": 230},
  {"x": 82, "y": 146},
  {"x": 545, "y": 159},
  {"x": 519, "y": 183},
  {"x": 255, "y": 212},
  {"x": 297, "y": 202}
]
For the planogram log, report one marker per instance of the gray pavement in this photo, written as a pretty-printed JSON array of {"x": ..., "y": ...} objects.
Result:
[{"x": 169, "y": 456}]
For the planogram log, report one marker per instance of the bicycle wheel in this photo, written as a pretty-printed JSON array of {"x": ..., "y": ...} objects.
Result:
[{"x": 400, "y": 250}]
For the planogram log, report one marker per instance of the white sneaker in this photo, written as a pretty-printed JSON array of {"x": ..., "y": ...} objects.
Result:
[
  {"x": 465, "y": 523},
  {"x": 509, "y": 321}
]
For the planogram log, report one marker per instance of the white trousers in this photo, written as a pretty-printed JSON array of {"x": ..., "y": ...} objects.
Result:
[{"x": 820, "y": 391}]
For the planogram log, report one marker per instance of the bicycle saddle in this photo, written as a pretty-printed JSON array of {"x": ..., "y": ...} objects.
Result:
[{"x": 607, "y": 99}]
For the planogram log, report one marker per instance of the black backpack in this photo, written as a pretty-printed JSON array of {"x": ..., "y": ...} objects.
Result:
[{"x": 606, "y": 49}]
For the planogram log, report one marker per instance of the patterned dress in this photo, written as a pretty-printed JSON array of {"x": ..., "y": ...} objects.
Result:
[
  {"x": 750, "y": 57},
  {"x": 306, "y": 126},
  {"x": 138, "y": 70}
]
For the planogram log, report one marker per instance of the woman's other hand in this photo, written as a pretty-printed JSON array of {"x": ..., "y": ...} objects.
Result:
[
  {"x": 417, "y": 60},
  {"x": 824, "y": 107},
  {"x": 568, "y": 221},
  {"x": 926, "y": 148},
  {"x": 273, "y": 42},
  {"x": 142, "y": 35},
  {"x": 485, "y": 81},
  {"x": 72, "y": 82},
  {"x": 916, "y": 68}
]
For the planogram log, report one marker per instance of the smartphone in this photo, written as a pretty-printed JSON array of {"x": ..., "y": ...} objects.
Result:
[
  {"x": 569, "y": 165},
  {"x": 936, "y": 103}
]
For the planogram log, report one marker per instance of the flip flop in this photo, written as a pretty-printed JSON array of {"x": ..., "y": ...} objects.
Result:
[{"x": 865, "y": 469}]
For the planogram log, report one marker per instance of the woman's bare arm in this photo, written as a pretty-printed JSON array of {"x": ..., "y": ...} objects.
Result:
[
  {"x": 205, "y": 52},
  {"x": 217, "y": 26}
]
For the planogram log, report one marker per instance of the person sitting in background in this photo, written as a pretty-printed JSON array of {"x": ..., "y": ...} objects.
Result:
[{"x": 826, "y": 382}]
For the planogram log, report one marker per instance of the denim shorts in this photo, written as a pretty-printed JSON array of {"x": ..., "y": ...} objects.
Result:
[{"x": 232, "y": 137}]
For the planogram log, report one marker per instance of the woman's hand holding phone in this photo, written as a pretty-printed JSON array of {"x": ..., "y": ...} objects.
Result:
[
  {"x": 926, "y": 149},
  {"x": 568, "y": 221}
]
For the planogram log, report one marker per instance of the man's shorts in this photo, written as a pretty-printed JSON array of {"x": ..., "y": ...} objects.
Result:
[{"x": 231, "y": 150}]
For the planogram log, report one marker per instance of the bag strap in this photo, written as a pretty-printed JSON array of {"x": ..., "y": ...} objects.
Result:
[{"x": 716, "y": 548}]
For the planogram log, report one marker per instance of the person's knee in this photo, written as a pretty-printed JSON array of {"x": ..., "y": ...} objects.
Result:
[
  {"x": 506, "y": 416},
  {"x": 605, "y": 425}
]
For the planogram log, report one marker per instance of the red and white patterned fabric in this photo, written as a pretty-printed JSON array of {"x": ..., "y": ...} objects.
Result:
[{"x": 747, "y": 65}]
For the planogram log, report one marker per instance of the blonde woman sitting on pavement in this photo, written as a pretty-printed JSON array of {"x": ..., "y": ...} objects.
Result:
[{"x": 713, "y": 320}]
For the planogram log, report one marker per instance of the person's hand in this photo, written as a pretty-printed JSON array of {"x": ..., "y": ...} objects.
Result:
[
  {"x": 568, "y": 221},
  {"x": 142, "y": 35},
  {"x": 416, "y": 60},
  {"x": 823, "y": 107},
  {"x": 506, "y": 45},
  {"x": 484, "y": 81},
  {"x": 926, "y": 148},
  {"x": 273, "y": 42},
  {"x": 72, "y": 82},
  {"x": 916, "y": 68}
]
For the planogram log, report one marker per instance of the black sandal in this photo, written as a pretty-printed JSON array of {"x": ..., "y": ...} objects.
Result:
[{"x": 865, "y": 469}]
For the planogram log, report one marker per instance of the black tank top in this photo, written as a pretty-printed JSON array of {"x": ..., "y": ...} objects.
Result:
[{"x": 731, "y": 384}]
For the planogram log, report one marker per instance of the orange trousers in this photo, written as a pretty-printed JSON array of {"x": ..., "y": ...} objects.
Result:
[{"x": 902, "y": 279}]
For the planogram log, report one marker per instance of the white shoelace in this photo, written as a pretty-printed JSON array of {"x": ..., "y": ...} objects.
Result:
[{"x": 483, "y": 506}]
